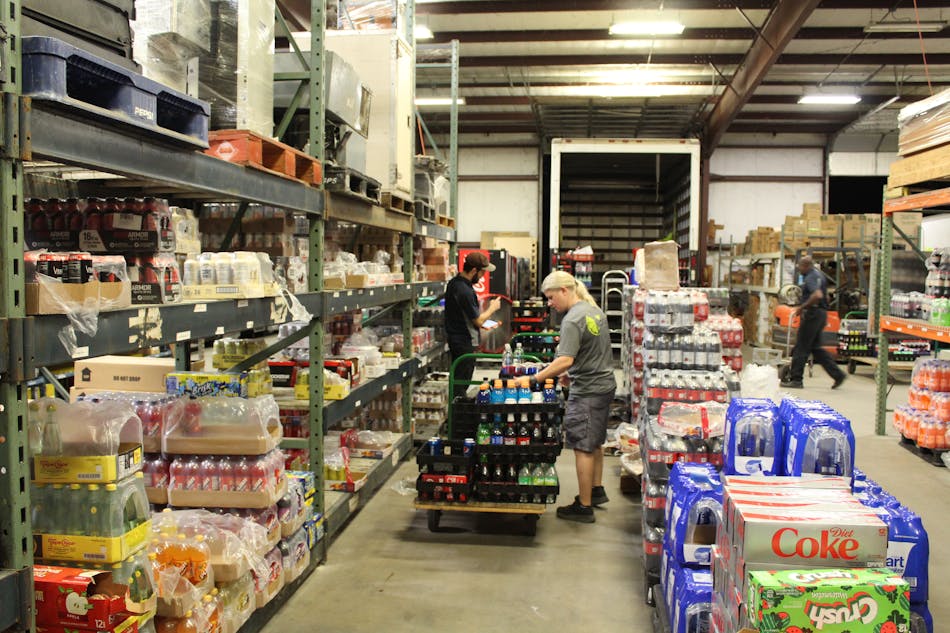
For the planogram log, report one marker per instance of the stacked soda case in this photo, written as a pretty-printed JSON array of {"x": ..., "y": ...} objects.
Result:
[
  {"x": 925, "y": 418},
  {"x": 446, "y": 470},
  {"x": 731, "y": 335},
  {"x": 516, "y": 435},
  {"x": 88, "y": 493},
  {"x": 693, "y": 513},
  {"x": 853, "y": 339},
  {"x": 791, "y": 550},
  {"x": 681, "y": 433},
  {"x": 100, "y": 225},
  {"x": 211, "y": 570}
]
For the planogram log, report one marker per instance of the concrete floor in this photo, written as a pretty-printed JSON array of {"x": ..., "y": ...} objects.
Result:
[{"x": 387, "y": 572}]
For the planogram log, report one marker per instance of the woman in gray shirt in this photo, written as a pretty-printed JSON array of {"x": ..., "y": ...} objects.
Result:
[{"x": 585, "y": 355}]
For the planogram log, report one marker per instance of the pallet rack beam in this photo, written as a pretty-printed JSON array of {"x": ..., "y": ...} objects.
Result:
[
  {"x": 883, "y": 305},
  {"x": 85, "y": 143}
]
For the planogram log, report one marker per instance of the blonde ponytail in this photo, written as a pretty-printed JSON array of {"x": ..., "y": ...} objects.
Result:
[{"x": 560, "y": 279}]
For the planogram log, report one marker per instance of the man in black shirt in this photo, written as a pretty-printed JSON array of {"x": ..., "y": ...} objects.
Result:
[
  {"x": 814, "y": 317},
  {"x": 462, "y": 316}
]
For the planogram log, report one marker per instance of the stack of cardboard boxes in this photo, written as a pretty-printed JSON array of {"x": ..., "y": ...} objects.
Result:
[{"x": 811, "y": 229}]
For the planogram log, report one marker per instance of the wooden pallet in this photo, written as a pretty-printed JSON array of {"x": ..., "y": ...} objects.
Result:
[
  {"x": 445, "y": 220},
  {"x": 244, "y": 147},
  {"x": 352, "y": 183},
  {"x": 933, "y": 164},
  {"x": 397, "y": 202},
  {"x": 424, "y": 211}
]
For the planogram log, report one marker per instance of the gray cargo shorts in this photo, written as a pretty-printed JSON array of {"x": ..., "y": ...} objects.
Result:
[{"x": 585, "y": 421}]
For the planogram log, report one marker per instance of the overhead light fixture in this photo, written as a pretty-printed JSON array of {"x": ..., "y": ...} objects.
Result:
[
  {"x": 829, "y": 100},
  {"x": 906, "y": 27},
  {"x": 615, "y": 91},
  {"x": 422, "y": 32},
  {"x": 438, "y": 101},
  {"x": 646, "y": 28}
]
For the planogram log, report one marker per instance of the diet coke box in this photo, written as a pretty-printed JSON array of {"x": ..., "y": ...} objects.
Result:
[
  {"x": 812, "y": 538},
  {"x": 780, "y": 501},
  {"x": 777, "y": 483}
]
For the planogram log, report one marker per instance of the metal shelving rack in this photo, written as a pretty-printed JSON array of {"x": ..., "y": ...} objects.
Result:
[
  {"x": 927, "y": 202},
  {"x": 33, "y": 131}
]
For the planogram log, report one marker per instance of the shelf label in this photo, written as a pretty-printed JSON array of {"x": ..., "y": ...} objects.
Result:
[
  {"x": 201, "y": 307},
  {"x": 249, "y": 325},
  {"x": 425, "y": 230},
  {"x": 358, "y": 403},
  {"x": 385, "y": 387},
  {"x": 349, "y": 293},
  {"x": 372, "y": 292},
  {"x": 219, "y": 330},
  {"x": 183, "y": 336},
  {"x": 243, "y": 303},
  {"x": 336, "y": 295},
  {"x": 354, "y": 502},
  {"x": 81, "y": 352}
]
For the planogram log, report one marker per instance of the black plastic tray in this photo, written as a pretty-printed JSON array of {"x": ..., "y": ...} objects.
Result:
[{"x": 453, "y": 464}]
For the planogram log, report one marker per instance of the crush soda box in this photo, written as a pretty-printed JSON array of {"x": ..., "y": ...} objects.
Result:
[
  {"x": 811, "y": 538},
  {"x": 829, "y": 601}
]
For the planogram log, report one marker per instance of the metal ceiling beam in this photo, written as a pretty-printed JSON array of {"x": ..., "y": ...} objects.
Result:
[
  {"x": 786, "y": 128},
  {"x": 550, "y": 6},
  {"x": 756, "y": 99},
  {"x": 806, "y": 59},
  {"x": 596, "y": 35},
  {"x": 786, "y": 19}
]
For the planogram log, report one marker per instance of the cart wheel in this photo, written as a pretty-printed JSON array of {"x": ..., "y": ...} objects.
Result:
[
  {"x": 434, "y": 516},
  {"x": 852, "y": 366},
  {"x": 531, "y": 521}
]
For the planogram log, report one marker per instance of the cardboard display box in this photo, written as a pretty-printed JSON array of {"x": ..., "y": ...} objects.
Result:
[
  {"x": 62, "y": 596},
  {"x": 91, "y": 548},
  {"x": 124, "y": 373},
  {"x": 42, "y": 299},
  {"x": 93, "y": 469},
  {"x": 219, "y": 499}
]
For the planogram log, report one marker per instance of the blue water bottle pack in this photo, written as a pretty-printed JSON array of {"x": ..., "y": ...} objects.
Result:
[
  {"x": 819, "y": 441},
  {"x": 693, "y": 601},
  {"x": 754, "y": 438},
  {"x": 694, "y": 511}
]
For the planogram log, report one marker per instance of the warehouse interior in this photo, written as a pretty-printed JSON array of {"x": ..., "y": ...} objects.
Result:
[{"x": 241, "y": 385}]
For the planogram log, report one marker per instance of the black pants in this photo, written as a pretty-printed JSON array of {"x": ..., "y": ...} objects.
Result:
[
  {"x": 465, "y": 369},
  {"x": 809, "y": 343}
]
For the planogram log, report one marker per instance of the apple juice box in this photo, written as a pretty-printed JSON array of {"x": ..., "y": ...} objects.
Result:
[{"x": 871, "y": 600}]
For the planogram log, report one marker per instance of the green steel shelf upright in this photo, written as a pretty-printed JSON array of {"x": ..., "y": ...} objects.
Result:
[{"x": 16, "y": 547}]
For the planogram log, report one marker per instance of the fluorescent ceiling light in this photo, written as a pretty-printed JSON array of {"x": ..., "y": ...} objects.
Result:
[
  {"x": 423, "y": 32},
  {"x": 438, "y": 101},
  {"x": 905, "y": 27},
  {"x": 646, "y": 28},
  {"x": 830, "y": 99}
]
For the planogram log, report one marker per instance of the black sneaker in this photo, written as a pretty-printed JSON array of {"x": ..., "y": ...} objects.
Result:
[
  {"x": 576, "y": 512},
  {"x": 792, "y": 384},
  {"x": 839, "y": 380},
  {"x": 598, "y": 496}
]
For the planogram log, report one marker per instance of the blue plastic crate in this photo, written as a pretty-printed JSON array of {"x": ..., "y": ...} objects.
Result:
[{"x": 56, "y": 71}]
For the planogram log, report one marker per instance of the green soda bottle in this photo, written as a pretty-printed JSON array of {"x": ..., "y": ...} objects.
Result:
[{"x": 93, "y": 515}]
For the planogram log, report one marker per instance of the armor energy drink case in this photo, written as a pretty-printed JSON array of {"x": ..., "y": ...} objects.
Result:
[{"x": 829, "y": 601}]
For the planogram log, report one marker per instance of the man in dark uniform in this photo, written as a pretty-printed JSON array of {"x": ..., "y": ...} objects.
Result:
[
  {"x": 462, "y": 316},
  {"x": 814, "y": 317}
]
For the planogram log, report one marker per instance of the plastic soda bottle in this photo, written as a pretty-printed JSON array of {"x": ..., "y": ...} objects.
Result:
[
  {"x": 524, "y": 390},
  {"x": 511, "y": 392},
  {"x": 525, "y": 477},
  {"x": 537, "y": 475},
  {"x": 242, "y": 475},
  {"x": 484, "y": 394},
  {"x": 550, "y": 394},
  {"x": 483, "y": 434},
  {"x": 498, "y": 393},
  {"x": 52, "y": 441},
  {"x": 209, "y": 474},
  {"x": 550, "y": 476},
  {"x": 93, "y": 515}
]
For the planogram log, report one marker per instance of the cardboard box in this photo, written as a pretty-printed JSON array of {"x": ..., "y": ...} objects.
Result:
[
  {"x": 828, "y": 600},
  {"x": 269, "y": 591},
  {"x": 222, "y": 439},
  {"x": 129, "y": 625},
  {"x": 811, "y": 210},
  {"x": 62, "y": 597},
  {"x": 200, "y": 384},
  {"x": 93, "y": 469},
  {"x": 219, "y": 499},
  {"x": 123, "y": 373},
  {"x": 909, "y": 222},
  {"x": 219, "y": 292},
  {"x": 92, "y": 549},
  {"x": 43, "y": 299}
]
